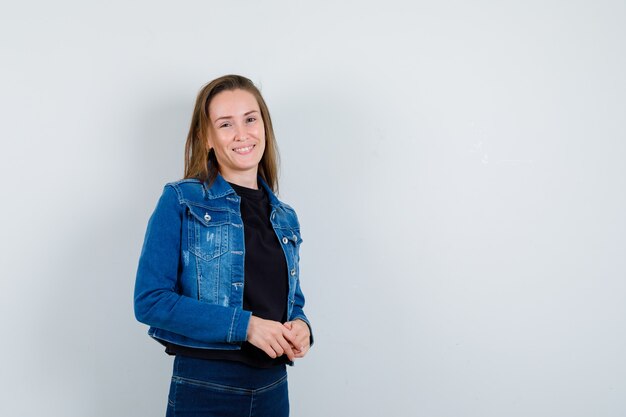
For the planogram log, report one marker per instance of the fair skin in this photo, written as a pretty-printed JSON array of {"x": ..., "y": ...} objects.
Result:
[{"x": 237, "y": 137}]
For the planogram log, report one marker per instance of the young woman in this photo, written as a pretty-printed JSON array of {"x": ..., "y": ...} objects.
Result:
[{"x": 218, "y": 277}]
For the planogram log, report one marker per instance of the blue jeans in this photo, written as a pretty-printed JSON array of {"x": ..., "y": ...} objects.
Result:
[{"x": 210, "y": 388}]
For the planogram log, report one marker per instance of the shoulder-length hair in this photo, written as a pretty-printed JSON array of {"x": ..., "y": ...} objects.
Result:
[{"x": 200, "y": 162}]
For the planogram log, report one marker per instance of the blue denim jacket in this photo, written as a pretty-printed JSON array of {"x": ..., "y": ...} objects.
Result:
[{"x": 190, "y": 279}]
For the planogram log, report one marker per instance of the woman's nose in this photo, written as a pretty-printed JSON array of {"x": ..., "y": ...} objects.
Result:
[{"x": 240, "y": 133}]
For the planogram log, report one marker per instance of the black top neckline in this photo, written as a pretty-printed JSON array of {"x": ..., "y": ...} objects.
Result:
[{"x": 248, "y": 192}]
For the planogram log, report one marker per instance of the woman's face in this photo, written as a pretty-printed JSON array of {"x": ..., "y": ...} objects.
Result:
[{"x": 237, "y": 134}]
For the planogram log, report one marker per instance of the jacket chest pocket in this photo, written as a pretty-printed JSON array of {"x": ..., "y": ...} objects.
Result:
[{"x": 208, "y": 232}]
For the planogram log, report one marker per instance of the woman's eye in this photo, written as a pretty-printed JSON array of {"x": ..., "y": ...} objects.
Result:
[
  {"x": 251, "y": 119},
  {"x": 224, "y": 125}
]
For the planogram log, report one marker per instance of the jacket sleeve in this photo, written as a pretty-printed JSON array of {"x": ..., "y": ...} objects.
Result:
[
  {"x": 298, "y": 310},
  {"x": 298, "y": 305},
  {"x": 157, "y": 300}
]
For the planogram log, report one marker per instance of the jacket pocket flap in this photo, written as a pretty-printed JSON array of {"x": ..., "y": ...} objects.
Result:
[{"x": 209, "y": 216}]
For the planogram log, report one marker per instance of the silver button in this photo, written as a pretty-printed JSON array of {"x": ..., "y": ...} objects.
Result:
[
  {"x": 293, "y": 272},
  {"x": 207, "y": 217},
  {"x": 285, "y": 240},
  {"x": 295, "y": 238}
]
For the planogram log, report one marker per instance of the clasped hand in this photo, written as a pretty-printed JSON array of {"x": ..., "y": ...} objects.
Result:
[{"x": 275, "y": 339}]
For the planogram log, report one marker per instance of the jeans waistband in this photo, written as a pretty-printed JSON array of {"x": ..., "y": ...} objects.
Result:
[{"x": 231, "y": 373}]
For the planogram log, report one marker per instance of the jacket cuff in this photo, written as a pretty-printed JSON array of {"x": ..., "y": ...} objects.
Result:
[{"x": 239, "y": 326}]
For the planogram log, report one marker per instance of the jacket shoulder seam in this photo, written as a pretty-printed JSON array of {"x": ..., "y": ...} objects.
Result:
[
  {"x": 179, "y": 193},
  {"x": 177, "y": 185}
]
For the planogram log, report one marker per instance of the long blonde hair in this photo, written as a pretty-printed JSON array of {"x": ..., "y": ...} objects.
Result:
[{"x": 200, "y": 162}]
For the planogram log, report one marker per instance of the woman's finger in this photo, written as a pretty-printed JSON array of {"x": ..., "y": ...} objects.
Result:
[{"x": 286, "y": 346}]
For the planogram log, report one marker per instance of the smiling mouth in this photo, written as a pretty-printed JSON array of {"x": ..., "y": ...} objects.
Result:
[{"x": 244, "y": 150}]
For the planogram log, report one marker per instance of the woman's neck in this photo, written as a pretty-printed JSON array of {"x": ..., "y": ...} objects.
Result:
[{"x": 244, "y": 179}]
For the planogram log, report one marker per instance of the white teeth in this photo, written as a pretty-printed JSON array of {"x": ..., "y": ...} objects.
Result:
[{"x": 246, "y": 149}]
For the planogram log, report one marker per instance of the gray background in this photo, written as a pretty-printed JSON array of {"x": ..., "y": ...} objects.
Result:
[{"x": 458, "y": 169}]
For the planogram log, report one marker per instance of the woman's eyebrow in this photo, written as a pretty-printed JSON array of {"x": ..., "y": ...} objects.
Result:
[{"x": 230, "y": 117}]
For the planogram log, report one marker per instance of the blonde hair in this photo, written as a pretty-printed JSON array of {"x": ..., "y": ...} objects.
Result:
[{"x": 200, "y": 161}]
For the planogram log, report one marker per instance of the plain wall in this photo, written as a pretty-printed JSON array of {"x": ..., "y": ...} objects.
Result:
[{"x": 458, "y": 169}]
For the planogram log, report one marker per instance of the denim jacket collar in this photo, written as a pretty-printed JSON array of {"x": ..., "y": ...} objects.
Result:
[
  {"x": 274, "y": 201},
  {"x": 218, "y": 189}
]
